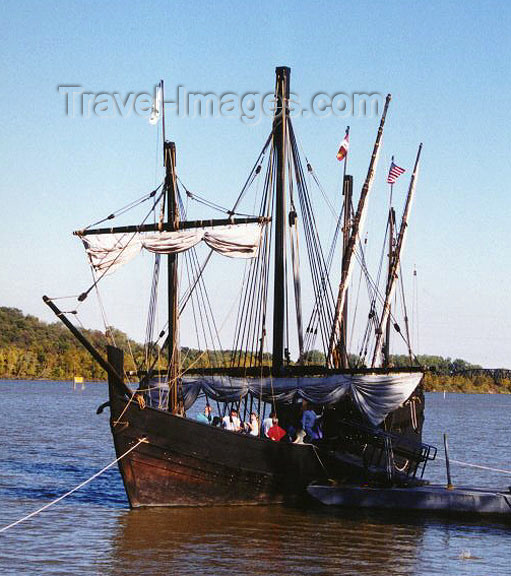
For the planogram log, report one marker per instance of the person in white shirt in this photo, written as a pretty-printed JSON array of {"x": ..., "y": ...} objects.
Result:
[
  {"x": 232, "y": 422},
  {"x": 253, "y": 425},
  {"x": 268, "y": 423}
]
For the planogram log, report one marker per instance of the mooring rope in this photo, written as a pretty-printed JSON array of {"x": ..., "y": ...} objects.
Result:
[
  {"x": 46, "y": 506},
  {"x": 479, "y": 466}
]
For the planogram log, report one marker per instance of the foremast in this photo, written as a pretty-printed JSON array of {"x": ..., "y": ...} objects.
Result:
[{"x": 169, "y": 150}]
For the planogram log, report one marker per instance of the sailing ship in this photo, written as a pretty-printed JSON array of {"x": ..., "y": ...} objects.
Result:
[{"x": 370, "y": 415}]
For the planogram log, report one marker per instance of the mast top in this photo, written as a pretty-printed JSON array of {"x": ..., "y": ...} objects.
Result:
[{"x": 283, "y": 77}]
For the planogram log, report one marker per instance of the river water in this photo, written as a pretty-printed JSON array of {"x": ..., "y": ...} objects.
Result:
[{"x": 51, "y": 440}]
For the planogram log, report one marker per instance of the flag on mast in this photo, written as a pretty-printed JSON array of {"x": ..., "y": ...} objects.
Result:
[
  {"x": 394, "y": 173},
  {"x": 345, "y": 144},
  {"x": 157, "y": 105}
]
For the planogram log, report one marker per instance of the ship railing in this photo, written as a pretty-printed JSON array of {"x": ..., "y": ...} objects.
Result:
[{"x": 409, "y": 456}]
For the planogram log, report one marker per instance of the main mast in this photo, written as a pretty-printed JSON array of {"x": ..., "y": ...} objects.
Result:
[{"x": 283, "y": 74}]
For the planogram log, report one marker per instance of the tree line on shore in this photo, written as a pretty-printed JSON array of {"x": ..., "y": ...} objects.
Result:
[{"x": 33, "y": 349}]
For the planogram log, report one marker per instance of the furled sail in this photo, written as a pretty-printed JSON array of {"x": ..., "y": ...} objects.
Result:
[
  {"x": 107, "y": 252},
  {"x": 376, "y": 395}
]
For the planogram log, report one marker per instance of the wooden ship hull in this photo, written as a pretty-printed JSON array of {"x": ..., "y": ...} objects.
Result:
[
  {"x": 186, "y": 463},
  {"x": 182, "y": 462}
]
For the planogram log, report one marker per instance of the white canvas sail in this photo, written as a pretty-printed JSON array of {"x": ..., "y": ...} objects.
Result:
[{"x": 107, "y": 252}]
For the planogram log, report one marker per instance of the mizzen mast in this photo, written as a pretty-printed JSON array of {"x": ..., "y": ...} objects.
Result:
[
  {"x": 348, "y": 261},
  {"x": 393, "y": 273},
  {"x": 391, "y": 223},
  {"x": 348, "y": 195},
  {"x": 347, "y": 192}
]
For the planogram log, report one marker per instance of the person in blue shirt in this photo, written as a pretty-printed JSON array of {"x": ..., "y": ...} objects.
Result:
[
  {"x": 205, "y": 417},
  {"x": 308, "y": 421}
]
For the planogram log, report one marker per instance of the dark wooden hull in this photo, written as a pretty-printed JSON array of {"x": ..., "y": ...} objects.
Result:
[
  {"x": 183, "y": 462},
  {"x": 187, "y": 463}
]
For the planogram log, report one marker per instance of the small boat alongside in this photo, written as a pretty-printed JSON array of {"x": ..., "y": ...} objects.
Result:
[{"x": 431, "y": 498}]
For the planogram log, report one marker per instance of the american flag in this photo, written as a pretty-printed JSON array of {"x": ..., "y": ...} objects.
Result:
[{"x": 394, "y": 173}]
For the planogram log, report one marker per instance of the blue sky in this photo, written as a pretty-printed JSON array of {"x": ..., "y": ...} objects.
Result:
[{"x": 445, "y": 63}]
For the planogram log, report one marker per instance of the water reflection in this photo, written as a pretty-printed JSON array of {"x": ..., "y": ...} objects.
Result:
[{"x": 262, "y": 540}]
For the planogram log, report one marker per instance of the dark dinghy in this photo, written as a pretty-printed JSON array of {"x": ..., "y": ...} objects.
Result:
[{"x": 434, "y": 498}]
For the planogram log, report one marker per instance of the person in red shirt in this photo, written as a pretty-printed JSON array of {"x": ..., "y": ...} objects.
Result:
[{"x": 276, "y": 433}]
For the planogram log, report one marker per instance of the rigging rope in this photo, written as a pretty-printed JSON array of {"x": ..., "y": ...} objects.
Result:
[
  {"x": 153, "y": 302},
  {"x": 312, "y": 172},
  {"x": 405, "y": 313},
  {"x": 255, "y": 171},
  {"x": 324, "y": 296},
  {"x": 126, "y": 208},
  {"x": 250, "y": 328},
  {"x": 84, "y": 295},
  {"x": 415, "y": 309}
]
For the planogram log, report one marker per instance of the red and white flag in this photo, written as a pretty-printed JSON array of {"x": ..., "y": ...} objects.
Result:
[
  {"x": 345, "y": 144},
  {"x": 394, "y": 173}
]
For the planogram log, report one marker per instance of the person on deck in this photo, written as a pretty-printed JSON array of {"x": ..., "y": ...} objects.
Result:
[
  {"x": 268, "y": 423},
  {"x": 232, "y": 422},
  {"x": 253, "y": 425},
  {"x": 276, "y": 433},
  {"x": 308, "y": 421},
  {"x": 205, "y": 417},
  {"x": 300, "y": 435}
]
